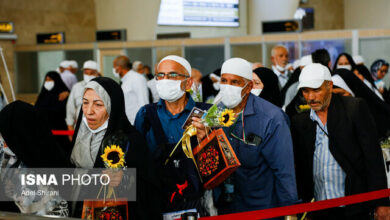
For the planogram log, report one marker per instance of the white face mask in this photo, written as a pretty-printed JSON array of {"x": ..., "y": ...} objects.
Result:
[
  {"x": 217, "y": 85},
  {"x": 231, "y": 95},
  {"x": 49, "y": 85},
  {"x": 348, "y": 67},
  {"x": 115, "y": 73},
  {"x": 169, "y": 90},
  {"x": 88, "y": 78},
  {"x": 280, "y": 69},
  {"x": 256, "y": 92}
]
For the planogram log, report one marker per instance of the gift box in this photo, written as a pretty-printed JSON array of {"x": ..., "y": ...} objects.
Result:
[
  {"x": 110, "y": 209},
  {"x": 215, "y": 159}
]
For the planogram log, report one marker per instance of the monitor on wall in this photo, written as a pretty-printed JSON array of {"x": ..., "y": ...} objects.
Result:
[{"x": 215, "y": 13}]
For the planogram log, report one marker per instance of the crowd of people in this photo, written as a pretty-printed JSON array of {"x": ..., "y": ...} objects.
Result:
[{"x": 304, "y": 132}]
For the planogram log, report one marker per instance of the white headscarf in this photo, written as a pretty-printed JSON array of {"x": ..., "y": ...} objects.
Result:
[{"x": 88, "y": 141}]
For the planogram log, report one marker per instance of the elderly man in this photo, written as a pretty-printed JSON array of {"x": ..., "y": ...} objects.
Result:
[
  {"x": 90, "y": 71},
  {"x": 336, "y": 148},
  {"x": 279, "y": 59},
  {"x": 262, "y": 142},
  {"x": 66, "y": 75},
  {"x": 161, "y": 124},
  {"x": 133, "y": 85}
]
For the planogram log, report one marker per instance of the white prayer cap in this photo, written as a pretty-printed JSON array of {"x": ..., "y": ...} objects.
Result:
[
  {"x": 179, "y": 60},
  {"x": 313, "y": 75},
  {"x": 90, "y": 64},
  {"x": 136, "y": 64},
  {"x": 296, "y": 64},
  {"x": 339, "y": 82},
  {"x": 73, "y": 64},
  {"x": 358, "y": 59},
  {"x": 237, "y": 66},
  {"x": 306, "y": 60},
  {"x": 64, "y": 64}
]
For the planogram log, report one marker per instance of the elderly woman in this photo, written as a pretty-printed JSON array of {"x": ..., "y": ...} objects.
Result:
[{"x": 102, "y": 116}]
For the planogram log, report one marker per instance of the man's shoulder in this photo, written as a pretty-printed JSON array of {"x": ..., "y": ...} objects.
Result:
[
  {"x": 266, "y": 108},
  {"x": 300, "y": 119}
]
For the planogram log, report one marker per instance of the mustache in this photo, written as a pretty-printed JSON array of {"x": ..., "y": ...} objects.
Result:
[{"x": 313, "y": 102}]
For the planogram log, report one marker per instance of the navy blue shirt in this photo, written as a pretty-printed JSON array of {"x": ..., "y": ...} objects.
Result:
[
  {"x": 171, "y": 124},
  {"x": 266, "y": 177}
]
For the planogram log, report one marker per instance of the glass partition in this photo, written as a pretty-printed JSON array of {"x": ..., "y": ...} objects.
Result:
[
  {"x": 80, "y": 56},
  {"x": 48, "y": 61},
  {"x": 373, "y": 49},
  {"x": 205, "y": 58},
  {"x": 334, "y": 47},
  {"x": 142, "y": 54},
  {"x": 26, "y": 73},
  {"x": 250, "y": 52}
]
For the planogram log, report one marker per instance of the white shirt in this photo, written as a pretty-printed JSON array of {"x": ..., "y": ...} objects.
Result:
[
  {"x": 283, "y": 78},
  {"x": 69, "y": 79},
  {"x": 74, "y": 103},
  {"x": 136, "y": 93}
]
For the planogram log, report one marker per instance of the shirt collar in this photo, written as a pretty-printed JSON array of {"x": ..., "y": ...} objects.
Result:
[
  {"x": 314, "y": 117},
  {"x": 276, "y": 71},
  {"x": 249, "y": 107},
  {"x": 189, "y": 106}
]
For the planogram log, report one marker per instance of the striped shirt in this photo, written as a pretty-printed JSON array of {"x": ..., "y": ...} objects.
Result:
[{"x": 328, "y": 176}]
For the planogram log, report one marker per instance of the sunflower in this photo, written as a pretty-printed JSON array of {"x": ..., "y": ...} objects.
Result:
[
  {"x": 113, "y": 156},
  {"x": 227, "y": 118}
]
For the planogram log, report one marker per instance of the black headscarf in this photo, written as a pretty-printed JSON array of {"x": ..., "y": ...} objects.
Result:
[
  {"x": 117, "y": 120},
  {"x": 207, "y": 85},
  {"x": 49, "y": 104},
  {"x": 378, "y": 108},
  {"x": 27, "y": 134},
  {"x": 137, "y": 155},
  {"x": 271, "y": 90},
  {"x": 349, "y": 58},
  {"x": 363, "y": 70}
]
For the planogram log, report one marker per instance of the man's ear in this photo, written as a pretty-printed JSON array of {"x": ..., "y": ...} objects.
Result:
[
  {"x": 273, "y": 60},
  {"x": 188, "y": 84},
  {"x": 248, "y": 87}
]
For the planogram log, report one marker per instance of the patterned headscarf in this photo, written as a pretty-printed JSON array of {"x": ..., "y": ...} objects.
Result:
[{"x": 376, "y": 66}]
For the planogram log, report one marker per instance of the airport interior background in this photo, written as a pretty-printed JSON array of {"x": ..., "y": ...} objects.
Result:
[{"x": 36, "y": 35}]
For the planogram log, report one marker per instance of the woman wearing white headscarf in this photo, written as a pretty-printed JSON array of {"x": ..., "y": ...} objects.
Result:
[{"x": 103, "y": 116}]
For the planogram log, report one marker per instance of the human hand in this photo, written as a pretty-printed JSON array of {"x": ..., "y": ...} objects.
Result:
[
  {"x": 63, "y": 95},
  {"x": 201, "y": 129},
  {"x": 115, "y": 177}
]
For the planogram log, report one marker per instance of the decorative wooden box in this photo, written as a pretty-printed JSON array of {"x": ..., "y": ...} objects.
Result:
[{"x": 215, "y": 159}]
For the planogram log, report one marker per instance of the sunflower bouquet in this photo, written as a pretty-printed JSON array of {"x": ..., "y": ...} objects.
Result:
[
  {"x": 218, "y": 117},
  {"x": 113, "y": 157}
]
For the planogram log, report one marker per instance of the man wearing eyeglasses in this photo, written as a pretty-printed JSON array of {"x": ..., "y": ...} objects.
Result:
[
  {"x": 161, "y": 124},
  {"x": 262, "y": 142}
]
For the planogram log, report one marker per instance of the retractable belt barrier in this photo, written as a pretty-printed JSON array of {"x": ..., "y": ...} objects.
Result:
[
  {"x": 62, "y": 132},
  {"x": 305, "y": 207}
]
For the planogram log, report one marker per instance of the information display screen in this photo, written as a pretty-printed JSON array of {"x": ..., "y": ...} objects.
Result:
[{"x": 221, "y": 13}]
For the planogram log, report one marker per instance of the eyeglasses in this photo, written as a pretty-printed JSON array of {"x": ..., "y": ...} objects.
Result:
[{"x": 171, "y": 75}]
